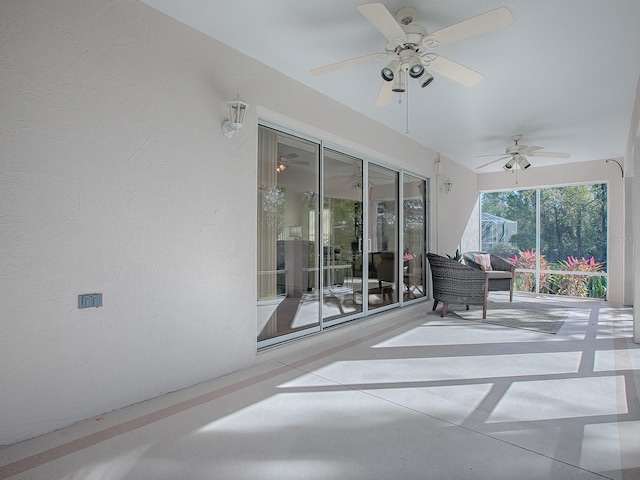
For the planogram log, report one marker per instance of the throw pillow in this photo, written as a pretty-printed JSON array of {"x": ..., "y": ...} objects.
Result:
[{"x": 484, "y": 260}]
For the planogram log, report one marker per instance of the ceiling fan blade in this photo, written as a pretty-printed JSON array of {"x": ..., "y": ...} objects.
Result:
[
  {"x": 529, "y": 150},
  {"x": 490, "y": 155},
  {"x": 550, "y": 154},
  {"x": 485, "y": 22},
  {"x": 348, "y": 63},
  {"x": 385, "y": 95},
  {"x": 455, "y": 71},
  {"x": 296, "y": 162},
  {"x": 493, "y": 161},
  {"x": 380, "y": 17}
]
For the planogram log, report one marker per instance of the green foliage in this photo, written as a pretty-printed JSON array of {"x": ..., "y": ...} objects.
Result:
[
  {"x": 591, "y": 286},
  {"x": 526, "y": 282},
  {"x": 597, "y": 287},
  {"x": 572, "y": 229},
  {"x": 457, "y": 256},
  {"x": 504, "y": 249},
  {"x": 577, "y": 285},
  {"x": 573, "y": 220}
]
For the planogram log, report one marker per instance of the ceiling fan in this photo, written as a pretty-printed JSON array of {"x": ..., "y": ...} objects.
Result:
[
  {"x": 356, "y": 179},
  {"x": 286, "y": 160},
  {"x": 517, "y": 155},
  {"x": 407, "y": 45}
]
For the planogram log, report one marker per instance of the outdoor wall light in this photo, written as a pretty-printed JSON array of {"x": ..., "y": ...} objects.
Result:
[
  {"x": 448, "y": 185},
  {"x": 237, "y": 109}
]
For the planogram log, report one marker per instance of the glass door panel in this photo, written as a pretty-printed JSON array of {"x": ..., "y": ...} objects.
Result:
[
  {"x": 288, "y": 276},
  {"x": 382, "y": 280},
  {"x": 341, "y": 236},
  {"x": 414, "y": 237}
]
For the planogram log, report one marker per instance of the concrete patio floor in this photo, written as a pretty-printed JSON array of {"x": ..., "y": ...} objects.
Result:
[{"x": 402, "y": 395}]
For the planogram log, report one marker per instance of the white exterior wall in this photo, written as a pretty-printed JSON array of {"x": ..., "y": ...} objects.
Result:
[
  {"x": 453, "y": 209},
  {"x": 115, "y": 178}
]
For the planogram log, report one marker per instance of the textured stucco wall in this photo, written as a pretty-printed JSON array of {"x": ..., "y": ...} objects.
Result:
[
  {"x": 453, "y": 209},
  {"x": 115, "y": 178}
]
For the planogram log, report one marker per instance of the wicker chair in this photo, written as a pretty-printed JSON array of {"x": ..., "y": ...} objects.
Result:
[
  {"x": 454, "y": 282},
  {"x": 501, "y": 275}
]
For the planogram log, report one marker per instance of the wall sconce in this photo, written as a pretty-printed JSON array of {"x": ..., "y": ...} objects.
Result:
[
  {"x": 448, "y": 185},
  {"x": 237, "y": 109}
]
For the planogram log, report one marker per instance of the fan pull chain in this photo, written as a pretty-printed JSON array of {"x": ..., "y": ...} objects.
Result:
[{"x": 407, "y": 101}]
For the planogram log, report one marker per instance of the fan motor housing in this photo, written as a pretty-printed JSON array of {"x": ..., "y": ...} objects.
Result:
[
  {"x": 514, "y": 149},
  {"x": 405, "y": 15}
]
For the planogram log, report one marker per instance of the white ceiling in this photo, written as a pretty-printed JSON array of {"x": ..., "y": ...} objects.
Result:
[{"x": 564, "y": 74}]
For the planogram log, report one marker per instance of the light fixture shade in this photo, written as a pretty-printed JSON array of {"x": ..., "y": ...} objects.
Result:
[
  {"x": 416, "y": 69},
  {"x": 295, "y": 231},
  {"x": 425, "y": 79},
  {"x": 237, "y": 109},
  {"x": 399, "y": 85},
  {"x": 388, "y": 73},
  {"x": 523, "y": 163},
  {"x": 509, "y": 165}
]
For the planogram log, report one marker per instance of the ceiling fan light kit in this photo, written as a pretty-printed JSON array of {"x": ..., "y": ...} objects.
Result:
[
  {"x": 389, "y": 72},
  {"x": 407, "y": 43},
  {"x": 425, "y": 79},
  {"x": 509, "y": 165},
  {"x": 517, "y": 155},
  {"x": 523, "y": 163},
  {"x": 416, "y": 69},
  {"x": 399, "y": 85}
]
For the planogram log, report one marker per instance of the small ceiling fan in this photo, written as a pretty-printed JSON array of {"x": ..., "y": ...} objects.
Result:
[
  {"x": 407, "y": 45},
  {"x": 517, "y": 155},
  {"x": 286, "y": 160}
]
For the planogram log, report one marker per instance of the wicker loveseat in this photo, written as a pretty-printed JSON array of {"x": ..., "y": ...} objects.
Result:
[
  {"x": 454, "y": 282},
  {"x": 500, "y": 274}
]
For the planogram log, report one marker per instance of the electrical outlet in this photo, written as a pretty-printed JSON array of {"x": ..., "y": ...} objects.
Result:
[{"x": 90, "y": 300}]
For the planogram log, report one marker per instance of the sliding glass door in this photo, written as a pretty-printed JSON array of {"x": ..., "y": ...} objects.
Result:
[
  {"x": 414, "y": 213},
  {"x": 382, "y": 281},
  {"x": 332, "y": 241},
  {"x": 288, "y": 275},
  {"x": 341, "y": 236}
]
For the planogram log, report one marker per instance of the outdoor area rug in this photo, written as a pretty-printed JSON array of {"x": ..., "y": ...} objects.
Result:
[{"x": 527, "y": 315}]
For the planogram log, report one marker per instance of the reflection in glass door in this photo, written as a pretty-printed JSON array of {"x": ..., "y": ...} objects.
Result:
[
  {"x": 288, "y": 277},
  {"x": 382, "y": 281},
  {"x": 341, "y": 236},
  {"x": 337, "y": 237},
  {"x": 414, "y": 209}
]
